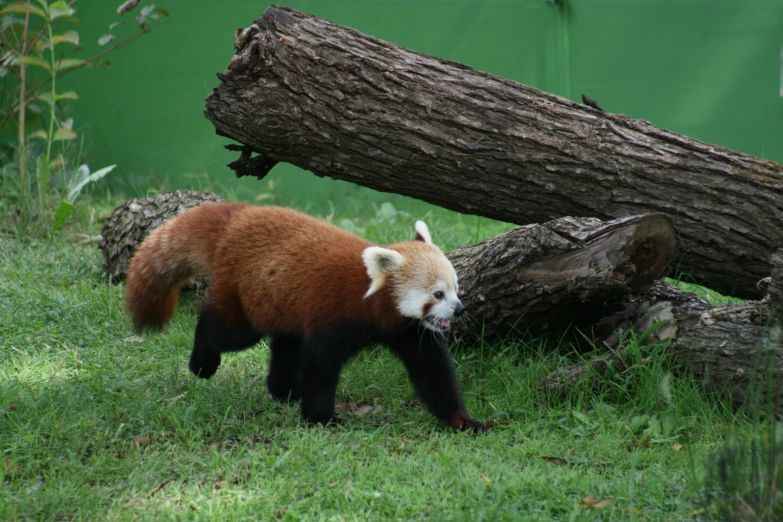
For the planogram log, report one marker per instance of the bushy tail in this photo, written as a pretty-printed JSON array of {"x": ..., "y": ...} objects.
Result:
[{"x": 174, "y": 253}]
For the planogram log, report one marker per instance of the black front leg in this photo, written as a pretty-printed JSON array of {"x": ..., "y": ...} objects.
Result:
[{"x": 428, "y": 361}]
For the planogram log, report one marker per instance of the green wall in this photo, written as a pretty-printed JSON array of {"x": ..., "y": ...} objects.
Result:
[{"x": 710, "y": 69}]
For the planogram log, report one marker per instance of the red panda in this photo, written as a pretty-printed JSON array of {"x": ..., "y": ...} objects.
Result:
[{"x": 319, "y": 293}]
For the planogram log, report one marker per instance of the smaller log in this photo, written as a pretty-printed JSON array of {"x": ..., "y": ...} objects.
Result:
[
  {"x": 734, "y": 349},
  {"x": 658, "y": 303},
  {"x": 132, "y": 221},
  {"x": 540, "y": 277}
]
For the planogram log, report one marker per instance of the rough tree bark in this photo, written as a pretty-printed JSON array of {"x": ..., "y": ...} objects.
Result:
[
  {"x": 735, "y": 349},
  {"x": 776, "y": 283},
  {"x": 539, "y": 277},
  {"x": 346, "y": 105},
  {"x": 532, "y": 278}
]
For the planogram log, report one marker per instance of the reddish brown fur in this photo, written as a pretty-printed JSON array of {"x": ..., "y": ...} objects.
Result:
[
  {"x": 278, "y": 273},
  {"x": 282, "y": 270},
  {"x": 183, "y": 247}
]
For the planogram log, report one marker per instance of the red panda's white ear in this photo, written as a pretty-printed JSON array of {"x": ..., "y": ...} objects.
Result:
[
  {"x": 379, "y": 262},
  {"x": 422, "y": 232}
]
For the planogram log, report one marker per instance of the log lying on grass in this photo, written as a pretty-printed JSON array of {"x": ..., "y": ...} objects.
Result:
[
  {"x": 659, "y": 303},
  {"x": 132, "y": 221},
  {"x": 570, "y": 270},
  {"x": 539, "y": 277},
  {"x": 346, "y": 105},
  {"x": 735, "y": 349},
  {"x": 532, "y": 278}
]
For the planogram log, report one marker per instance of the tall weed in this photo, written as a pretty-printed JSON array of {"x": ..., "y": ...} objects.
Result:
[{"x": 42, "y": 176}]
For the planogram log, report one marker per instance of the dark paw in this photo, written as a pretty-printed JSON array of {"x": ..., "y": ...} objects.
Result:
[
  {"x": 204, "y": 364},
  {"x": 332, "y": 422},
  {"x": 461, "y": 422},
  {"x": 324, "y": 417},
  {"x": 474, "y": 426}
]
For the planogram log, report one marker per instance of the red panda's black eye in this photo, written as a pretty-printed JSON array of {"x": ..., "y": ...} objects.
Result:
[{"x": 438, "y": 295}]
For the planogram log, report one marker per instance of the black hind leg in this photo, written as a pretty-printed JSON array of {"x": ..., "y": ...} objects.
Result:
[
  {"x": 283, "y": 379},
  {"x": 215, "y": 335},
  {"x": 322, "y": 359}
]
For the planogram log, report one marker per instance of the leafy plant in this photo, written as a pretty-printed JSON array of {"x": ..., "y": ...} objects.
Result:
[
  {"x": 77, "y": 183},
  {"x": 35, "y": 47}
]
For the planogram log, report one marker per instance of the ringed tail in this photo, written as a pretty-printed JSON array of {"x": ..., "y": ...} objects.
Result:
[{"x": 170, "y": 256}]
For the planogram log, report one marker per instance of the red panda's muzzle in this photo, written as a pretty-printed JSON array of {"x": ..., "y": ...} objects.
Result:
[{"x": 440, "y": 324}]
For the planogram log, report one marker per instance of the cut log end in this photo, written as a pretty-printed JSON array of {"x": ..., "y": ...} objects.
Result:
[
  {"x": 651, "y": 252},
  {"x": 535, "y": 277}
]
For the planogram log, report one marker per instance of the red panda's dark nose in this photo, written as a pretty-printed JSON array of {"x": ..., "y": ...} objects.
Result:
[{"x": 459, "y": 310}]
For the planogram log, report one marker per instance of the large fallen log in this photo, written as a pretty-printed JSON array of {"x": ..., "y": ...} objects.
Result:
[
  {"x": 532, "y": 278},
  {"x": 346, "y": 105}
]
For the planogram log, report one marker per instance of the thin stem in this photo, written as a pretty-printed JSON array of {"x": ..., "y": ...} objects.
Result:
[
  {"x": 22, "y": 110},
  {"x": 54, "y": 90},
  {"x": 37, "y": 37},
  {"x": 44, "y": 175},
  {"x": 6, "y": 41},
  {"x": 16, "y": 36}
]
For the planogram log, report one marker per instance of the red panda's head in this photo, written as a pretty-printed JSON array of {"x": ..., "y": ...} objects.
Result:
[{"x": 421, "y": 280}]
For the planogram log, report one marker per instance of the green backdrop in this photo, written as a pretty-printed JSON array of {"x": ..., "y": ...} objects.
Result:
[{"x": 710, "y": 69}]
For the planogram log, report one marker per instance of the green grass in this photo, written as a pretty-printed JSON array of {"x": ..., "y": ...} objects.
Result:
[{"x": 97, "y": 423}]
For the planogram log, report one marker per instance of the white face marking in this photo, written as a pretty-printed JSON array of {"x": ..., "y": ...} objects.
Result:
[
  {"x": 424, "y": 282},
  {"x": 438, "y": 300},
  {"x": 412, "y": 302}
]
